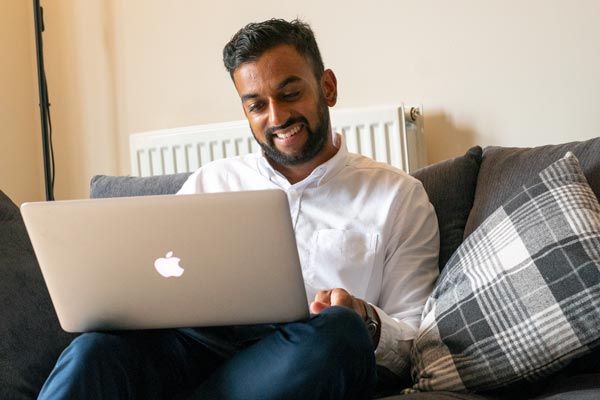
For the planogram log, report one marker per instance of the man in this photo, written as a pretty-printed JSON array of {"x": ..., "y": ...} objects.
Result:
[{"x": 367, "y": 239}]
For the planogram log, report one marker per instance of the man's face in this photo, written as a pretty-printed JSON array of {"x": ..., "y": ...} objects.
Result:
[{"x": 285, "y": 105}]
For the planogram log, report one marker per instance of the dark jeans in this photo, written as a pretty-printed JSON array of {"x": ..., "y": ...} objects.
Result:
[{"x": 329, "y": 356}]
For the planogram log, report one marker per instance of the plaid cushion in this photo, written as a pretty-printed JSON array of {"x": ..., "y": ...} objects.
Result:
[{"x": 521, "y": 297}]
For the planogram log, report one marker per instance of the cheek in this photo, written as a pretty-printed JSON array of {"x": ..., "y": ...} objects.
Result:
[{"x": 258, "y": 126}]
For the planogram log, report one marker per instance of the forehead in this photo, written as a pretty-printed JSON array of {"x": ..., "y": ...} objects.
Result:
[{"x": 271, "y": 68}]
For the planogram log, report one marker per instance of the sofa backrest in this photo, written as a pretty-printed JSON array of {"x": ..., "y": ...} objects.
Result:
[
  {"x": 504, "y": 170},
  {"x": 450, "y": 186},
  {"x": 103, "y": 186},
  {"x": 464, "y": 190}
]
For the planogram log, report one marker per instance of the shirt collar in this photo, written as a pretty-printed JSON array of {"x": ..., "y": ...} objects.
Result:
[{"x": 319, "y": 175}]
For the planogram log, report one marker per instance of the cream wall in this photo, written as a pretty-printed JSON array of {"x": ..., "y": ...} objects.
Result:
[
  {"x": 21, "y": 167},
  {"x": 501, "y": 72},
  {"x": 79, "y": 53},
  {"x": 514, "y": 73}
]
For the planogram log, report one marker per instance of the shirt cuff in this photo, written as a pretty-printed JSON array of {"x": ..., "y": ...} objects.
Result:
[{"x": 395, "y": 342}]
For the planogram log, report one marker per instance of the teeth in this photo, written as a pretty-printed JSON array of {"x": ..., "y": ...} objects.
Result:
[{"x": 291, "y": 132}]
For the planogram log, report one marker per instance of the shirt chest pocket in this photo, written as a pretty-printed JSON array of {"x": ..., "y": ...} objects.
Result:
[{"x": 342, "y": 259}]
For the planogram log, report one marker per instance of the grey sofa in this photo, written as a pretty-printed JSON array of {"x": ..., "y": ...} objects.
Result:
[{"x": 464, "y": 191}]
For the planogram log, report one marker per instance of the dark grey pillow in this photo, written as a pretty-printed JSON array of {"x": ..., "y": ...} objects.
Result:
[
  {"x": 450, "y": 185},
  {"x": 505, "y": 170},
  {"x": 122, "y": 186},
  {"x": 31, "y": 338}
]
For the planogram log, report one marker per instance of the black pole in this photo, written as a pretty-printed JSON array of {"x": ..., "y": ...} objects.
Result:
[{"x": 44, "y": 104}]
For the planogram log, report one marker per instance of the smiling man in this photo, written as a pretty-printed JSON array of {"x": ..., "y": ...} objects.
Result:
[
  {"x": 367, "y": 240},
  {"x": 279, "y": 93}
]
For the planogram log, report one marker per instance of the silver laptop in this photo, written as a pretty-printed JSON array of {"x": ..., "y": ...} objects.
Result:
[{"x": 169, "y": 261}]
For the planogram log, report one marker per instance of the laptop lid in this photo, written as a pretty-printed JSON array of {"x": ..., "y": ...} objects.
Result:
[{"x": 169, "y": 261}]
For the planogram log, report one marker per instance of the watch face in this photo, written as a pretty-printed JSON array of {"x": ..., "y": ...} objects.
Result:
[{"x": 372, "y": 327}]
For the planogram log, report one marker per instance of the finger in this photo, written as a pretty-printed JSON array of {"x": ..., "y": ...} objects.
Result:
[
  {"x": 360, "y": 306},
  {"x": 323, "y": 296},
  {"x": 340, "y": 297},
  {"x": 322, "y": 301}
]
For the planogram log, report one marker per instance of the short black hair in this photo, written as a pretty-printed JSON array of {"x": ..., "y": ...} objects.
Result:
[{"x": 250, "y": 42}]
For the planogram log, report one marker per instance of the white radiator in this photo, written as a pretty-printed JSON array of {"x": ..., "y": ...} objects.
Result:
[{"x": 390, "y": 134}]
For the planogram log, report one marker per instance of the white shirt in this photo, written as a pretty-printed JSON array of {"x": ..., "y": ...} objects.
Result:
[{"x": 360, "y": 225}]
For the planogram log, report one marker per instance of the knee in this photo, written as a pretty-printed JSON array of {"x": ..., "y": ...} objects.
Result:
[
  {"x": 94, "y": 365},
  {"x": 96, "y": 343},
  {"x": 336, "y": 350},
  {"x": 97, "y": 348},
  {"x": 332, "y": 346},
  {"x": 340, "y": 335}
]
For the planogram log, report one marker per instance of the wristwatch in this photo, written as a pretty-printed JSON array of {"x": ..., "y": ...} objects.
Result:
[{"x": 371, "y": 321}]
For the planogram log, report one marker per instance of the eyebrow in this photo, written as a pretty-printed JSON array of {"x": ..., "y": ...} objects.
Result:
[
  {"x": 248, "y": 97},
  {"x": 287, "y": 81},
  {"x": 280, "y": 86}
]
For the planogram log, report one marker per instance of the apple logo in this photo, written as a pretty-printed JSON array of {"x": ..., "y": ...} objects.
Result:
[{"x": 168, "y": 266}]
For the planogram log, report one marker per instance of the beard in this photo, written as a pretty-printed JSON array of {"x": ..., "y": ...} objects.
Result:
[{"x": 313, "y": 146}]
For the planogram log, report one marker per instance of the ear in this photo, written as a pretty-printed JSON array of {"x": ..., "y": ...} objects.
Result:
[{"x": 329, "y": 87}]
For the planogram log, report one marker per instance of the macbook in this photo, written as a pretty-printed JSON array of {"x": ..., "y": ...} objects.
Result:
[{"x": 169, "y": 261}]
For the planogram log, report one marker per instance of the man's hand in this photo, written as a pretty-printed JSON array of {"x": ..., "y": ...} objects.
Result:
[
  {"x": 337, "y": 297},
  {"x": 340, "y": 297}
]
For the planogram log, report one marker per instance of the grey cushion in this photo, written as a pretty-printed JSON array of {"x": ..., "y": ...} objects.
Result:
[
  {"x": 31, "y": 338},
  {"x": 122, "y": 186},
  {"x": 504, "y": 170},
  {"x": 451, "y": 188},
  {"x": 520, "y": 298}
]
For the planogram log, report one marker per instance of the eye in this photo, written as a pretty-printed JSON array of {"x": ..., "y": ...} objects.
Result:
[
  {"x": 255, "y": 107},
  {"x": 291, "y": 96}
]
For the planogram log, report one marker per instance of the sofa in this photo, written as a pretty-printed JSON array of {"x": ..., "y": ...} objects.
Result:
[{"x": 467, "y": 193}]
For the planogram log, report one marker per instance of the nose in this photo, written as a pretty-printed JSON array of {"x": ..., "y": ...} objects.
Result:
[{"x": 278, "y": 113}]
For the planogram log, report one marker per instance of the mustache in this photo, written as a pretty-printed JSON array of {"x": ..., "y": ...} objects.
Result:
[{"x": 271, "y": 130}]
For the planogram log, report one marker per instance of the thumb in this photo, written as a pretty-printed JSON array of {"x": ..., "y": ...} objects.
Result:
[
  {"x": 322, "y": 301},
  {"x": 317, "y": 306}
]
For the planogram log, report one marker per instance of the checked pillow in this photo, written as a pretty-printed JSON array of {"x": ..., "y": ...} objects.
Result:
[{"x": 520, "y": 298}]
